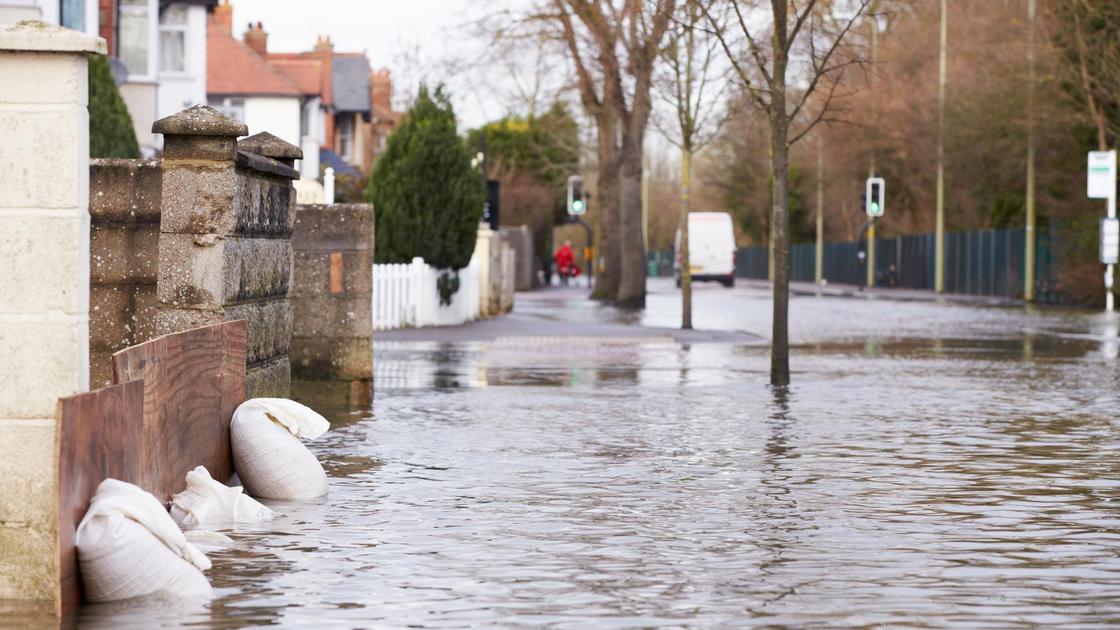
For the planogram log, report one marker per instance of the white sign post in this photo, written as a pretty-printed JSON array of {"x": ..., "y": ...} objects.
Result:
[{"x": 1102, "y": 185}]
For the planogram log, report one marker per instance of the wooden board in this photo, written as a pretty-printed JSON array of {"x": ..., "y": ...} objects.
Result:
[
  {"x": 193, "y": 381},
  {"x": 98, "y": 437}
]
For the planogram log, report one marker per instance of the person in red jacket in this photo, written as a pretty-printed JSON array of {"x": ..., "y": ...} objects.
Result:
[{"x": 566, "y": 262}]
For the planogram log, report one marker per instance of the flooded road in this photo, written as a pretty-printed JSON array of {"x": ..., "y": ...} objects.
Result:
[{"x": 932, "y": 465}]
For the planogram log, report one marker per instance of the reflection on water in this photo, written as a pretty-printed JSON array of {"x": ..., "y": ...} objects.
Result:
[{"x": 967, "y": 480}]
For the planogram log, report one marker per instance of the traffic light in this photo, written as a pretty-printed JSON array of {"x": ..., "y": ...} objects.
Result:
[
  {"x": 576, "y": 204},
  {"x": 874, "y": 197}
]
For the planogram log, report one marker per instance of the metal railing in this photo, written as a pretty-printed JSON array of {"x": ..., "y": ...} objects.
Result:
[
  {"x": 988, "y": 262},
  {"x": 979, "y": 262}
]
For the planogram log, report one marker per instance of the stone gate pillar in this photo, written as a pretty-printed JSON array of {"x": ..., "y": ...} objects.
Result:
[
  {"x": 226, "y": 214},
  {"x": 44, "y": 283}
]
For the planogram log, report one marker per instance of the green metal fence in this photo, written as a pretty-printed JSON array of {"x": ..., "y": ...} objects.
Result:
[{"x": 980, "y": 262}]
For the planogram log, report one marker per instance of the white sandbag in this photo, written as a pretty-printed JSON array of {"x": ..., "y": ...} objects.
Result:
[
  {"x": 210, "y": 504},
  {"x": 207, "y": 540},
  {"x": 129, "y": 546},
  {"x": 268, "y": 455}
]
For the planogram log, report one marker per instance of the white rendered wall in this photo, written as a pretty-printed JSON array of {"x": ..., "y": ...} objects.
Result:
[
  {"x": 278, "y": 115},
  {"x": 180, "y": 90},
  {"x": 44, "y": 284}
]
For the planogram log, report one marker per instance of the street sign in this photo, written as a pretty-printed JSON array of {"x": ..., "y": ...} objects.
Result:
[
  {"x": 576, "y": 204},
  {"x": 1110, "y": 241},
  {"x": 1102, "y": 174},
  {"x": 875, "y": 202}
]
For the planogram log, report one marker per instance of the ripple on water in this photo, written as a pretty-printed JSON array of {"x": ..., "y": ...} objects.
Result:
[{"x": 945, "y": 483}]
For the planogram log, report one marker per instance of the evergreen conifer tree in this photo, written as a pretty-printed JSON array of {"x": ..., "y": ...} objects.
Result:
[
  {"x": 427, "y": 197},
  {"x": 110, "y": 126}
]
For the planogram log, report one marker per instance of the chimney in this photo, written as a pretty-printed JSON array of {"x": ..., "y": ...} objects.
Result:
[
  {"x": 381, "y": 90},
  {"x": 223, "y": 18},
  {"x": 257, "y": 39},
  {"x": 323, "y": 43}
]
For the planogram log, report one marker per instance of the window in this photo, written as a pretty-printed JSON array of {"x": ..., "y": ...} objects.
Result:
[
  {"x": 231, "y": 107},
  {"x": 346, "y": 136},
  {"x": 133, "y": 35},
  {"x": 173, "y": 39},
  {"x": 73, "y": 14}
]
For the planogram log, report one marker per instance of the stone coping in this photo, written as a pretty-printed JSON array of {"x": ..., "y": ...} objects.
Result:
[
  {"x": 39, "y": 36},
  {"x": 199, "y": 120},
  {"x": 265, "y": 165},
  {"x": 270, "y": 146}
]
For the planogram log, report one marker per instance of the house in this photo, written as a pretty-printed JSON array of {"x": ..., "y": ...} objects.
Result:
[
  {"x": 329, "y": 103},
  {"x": 356, "y": 106},
  {"x": 158, "y": 48}
]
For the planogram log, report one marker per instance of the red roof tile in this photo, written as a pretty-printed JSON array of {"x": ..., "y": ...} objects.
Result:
[
  {"x": 233, "y": 68},
  {"x": 306, "y": 74},
  {"x": 325, "y": 58}
]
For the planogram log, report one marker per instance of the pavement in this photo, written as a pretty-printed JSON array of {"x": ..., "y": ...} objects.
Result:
[
  {"x": 896, "y": 293},
  {"x": 738, "y": 316},
  {"x": 565, "y": 312}
]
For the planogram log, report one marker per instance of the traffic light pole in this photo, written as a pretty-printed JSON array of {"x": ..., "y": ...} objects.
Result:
[
  {"x": 589, "y": 251},
  {"x": 871, "y": 253}
]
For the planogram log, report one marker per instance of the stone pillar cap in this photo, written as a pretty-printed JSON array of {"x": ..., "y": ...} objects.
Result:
[
  {"x": 36, "y": 35},
  {"x": 268, "y": 145},
  {"x": 199, "y": 120}
]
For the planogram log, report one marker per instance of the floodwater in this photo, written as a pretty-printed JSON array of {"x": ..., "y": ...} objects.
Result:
[{"x": 932, "y": 465}]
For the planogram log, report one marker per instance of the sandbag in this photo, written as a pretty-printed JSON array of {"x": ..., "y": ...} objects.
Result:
[
  {"x": 210, "y": 504},
  {"x": 207, "y": 540},
  {"x": 268, "y": 455},
  {"x": 129, "y": 546}
]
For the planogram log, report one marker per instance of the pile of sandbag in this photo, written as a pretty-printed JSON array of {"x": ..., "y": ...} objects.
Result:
[{"x": 130, "y": 545}]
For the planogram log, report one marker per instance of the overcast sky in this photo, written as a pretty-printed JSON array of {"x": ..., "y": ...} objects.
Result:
[{"x": 416, "y": 39}]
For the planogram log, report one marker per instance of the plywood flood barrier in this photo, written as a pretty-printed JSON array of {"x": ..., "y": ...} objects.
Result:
[
  {"x": 98, "y": 438},
  {"x": 193, "y": 382}
]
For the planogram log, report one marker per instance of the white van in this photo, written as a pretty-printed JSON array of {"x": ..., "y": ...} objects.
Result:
[{"x": 711, "y": 248}]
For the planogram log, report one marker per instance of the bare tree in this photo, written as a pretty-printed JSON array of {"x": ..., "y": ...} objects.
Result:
[
  {"x": 808, "y": 36},
  {"x": 1091, "y": 44},
  {"x": 596, "y": 92},
  {"x": 693, "y": 87},
  {"x": 624, "y": 38}
]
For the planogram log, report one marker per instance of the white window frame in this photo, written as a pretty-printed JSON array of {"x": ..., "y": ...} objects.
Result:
[
  {"x": 227, "y": 104},
  {"x": 346, "y": 151},
  {"x": 153, "y": 44},
  {"x": 183, "y": 28}
]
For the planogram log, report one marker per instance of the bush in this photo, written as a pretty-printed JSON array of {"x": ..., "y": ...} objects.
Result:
[
  {"x": 110, "y": 126},
  {"x": 427, "y": 198}
]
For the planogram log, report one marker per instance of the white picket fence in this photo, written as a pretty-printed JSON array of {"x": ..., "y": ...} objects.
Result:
[{"x": 407, "y": 296}]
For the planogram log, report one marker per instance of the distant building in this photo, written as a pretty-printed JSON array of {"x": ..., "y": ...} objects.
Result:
[
  {"x": 329, "y": 103},
  {"x": 355, "y": 103},
  {"x": 158, "y": 48}
]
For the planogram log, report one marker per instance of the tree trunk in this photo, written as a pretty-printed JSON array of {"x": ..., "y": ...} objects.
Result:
[
  {"x": 632, "y": 285},
  {"x": 609, "y": 275},
  {"x": 685, "y": 262},
  {"x": 779, "y": 166}
]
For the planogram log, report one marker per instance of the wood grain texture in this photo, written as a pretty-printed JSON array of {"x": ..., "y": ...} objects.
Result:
[
  {"x": 193, "y": 382},
  {"x": 98, "y": 437}
]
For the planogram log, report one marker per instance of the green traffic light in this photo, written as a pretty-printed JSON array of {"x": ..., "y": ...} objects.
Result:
[
  {"x": 874, "y": 208},
  {"x": 577, "y": 205}
]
